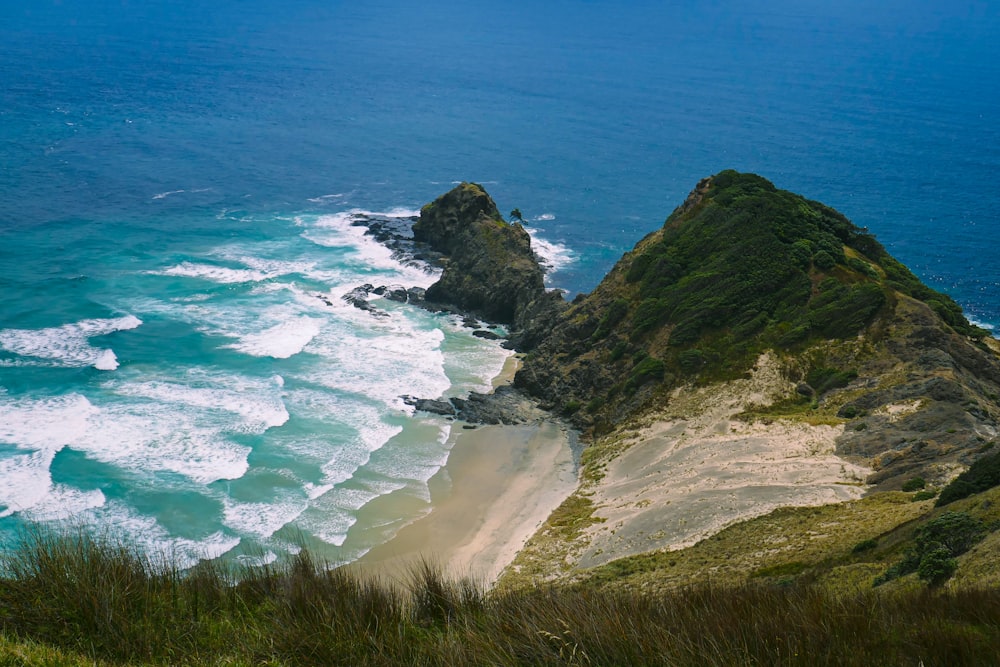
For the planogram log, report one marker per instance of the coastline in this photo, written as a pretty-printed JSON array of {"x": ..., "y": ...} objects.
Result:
[{"x": 499, "y": 485}]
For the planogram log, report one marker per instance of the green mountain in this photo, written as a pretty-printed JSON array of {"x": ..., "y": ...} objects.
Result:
[{"x": 742, "y": 267}]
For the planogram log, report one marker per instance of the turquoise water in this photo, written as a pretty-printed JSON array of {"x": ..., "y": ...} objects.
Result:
[{"x": 176, "y": 188}]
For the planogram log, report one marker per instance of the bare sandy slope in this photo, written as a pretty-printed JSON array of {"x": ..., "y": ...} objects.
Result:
[{"x": 682, "y": 479}]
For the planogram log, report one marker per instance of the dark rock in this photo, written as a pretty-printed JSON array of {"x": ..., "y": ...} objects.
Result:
[
  {"x": 505, "y": 405},
  {"x": 435, "y": 407},
  {"x": 358, "y": 297},
  {"x": 396, "y": 233},
  {"x": 398, "y": 294},
  {"x": 491, "y": 270},
  {"x": 486, "y": 334},
  {"x": 804, "y": 389}
]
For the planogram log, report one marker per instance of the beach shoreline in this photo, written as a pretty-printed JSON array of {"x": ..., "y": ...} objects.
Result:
[{"x": 499, "y": 485}]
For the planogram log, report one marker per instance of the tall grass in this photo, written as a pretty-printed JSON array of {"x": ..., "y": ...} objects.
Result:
[{"x": 102, "y": 599}]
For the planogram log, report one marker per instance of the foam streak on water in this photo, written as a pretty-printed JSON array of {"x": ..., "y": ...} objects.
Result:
[{"x": 68, "y": 345}]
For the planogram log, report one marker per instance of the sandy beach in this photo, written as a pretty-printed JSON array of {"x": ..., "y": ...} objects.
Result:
[{"x": 499, "y": 485}]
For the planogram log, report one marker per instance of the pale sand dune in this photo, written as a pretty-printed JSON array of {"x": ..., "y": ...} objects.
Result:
[
  {"x": 695, "y": 470},
  {"x": 499, "y": 485}
]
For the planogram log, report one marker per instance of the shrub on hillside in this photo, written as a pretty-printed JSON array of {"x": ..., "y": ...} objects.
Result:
[
  {"x": 935, "y": 545},
  {"x": 824, "y": 378},
  {"x": 983, "y": 474},
  {"x": 647, "y": 370}
]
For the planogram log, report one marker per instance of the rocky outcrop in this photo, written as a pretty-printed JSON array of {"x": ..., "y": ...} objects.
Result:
[
  {"x": 504, "y": 405},
  {"x": 490, "y": 269}
]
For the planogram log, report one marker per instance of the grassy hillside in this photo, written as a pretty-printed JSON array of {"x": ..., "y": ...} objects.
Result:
[
  {"x": 76, "y": 601},
  {"x": 857, "y": 546}
]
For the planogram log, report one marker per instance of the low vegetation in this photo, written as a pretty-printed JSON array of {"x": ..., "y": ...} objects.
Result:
[
  {"x": 983, "y": 474},
  {"x": 75, "y": 600},
  {"x": 800, "y": 271},
  {"x": 936, "y": 545}
]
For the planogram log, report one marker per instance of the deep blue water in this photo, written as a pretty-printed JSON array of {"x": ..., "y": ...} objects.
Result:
[{"x": 189, "y": 165}]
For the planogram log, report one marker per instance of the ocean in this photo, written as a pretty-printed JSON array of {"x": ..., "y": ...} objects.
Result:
[{"x": 179, "y": 183}]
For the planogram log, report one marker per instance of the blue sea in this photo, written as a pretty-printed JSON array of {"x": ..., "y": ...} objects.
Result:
[{"x": 179, "y": 182}]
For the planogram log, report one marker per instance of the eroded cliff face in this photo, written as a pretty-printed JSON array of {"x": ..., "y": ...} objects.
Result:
[{"x": 491, "y": 270}]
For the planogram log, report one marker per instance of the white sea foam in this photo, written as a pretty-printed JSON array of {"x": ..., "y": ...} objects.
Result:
[
  {"x": 359, "y": 428},
  {"x": 356, "y": 453},
  {"x": 41, "y": 428},
  {"x": 274, "y": 320},
  {"x": 257, "y": 402},
  {"x": 106, "y": 361},
  {"x": 261, "y": 560},
  {"x": 280, "y": 341},
  {"x": 326, "y": 199},
  {"x": 164, "y": 195},
  {"x": 260, "y": 257},
  {"x": 415, "y": 458},
  {"x": 331, "y": 525},
  {"x": 62, "y": 502},
  {"x": 262, "y": 519},
  {"x": 214, "y": 273},
  {"x": 150, "y": 439},
  {"x": 183, "y": 431},
  {"x": 979, "y": 323},
  {"x": 385, "y": 359},
  {"x": 314, "y": 491},
  {"x": 471, "y": 362},
  {"x": 552, "y": 255},
  {"x": 26, "y": 481},
  {"x": 68, "y": 345},
  {"x": 545, "y": 217},
  {"x": 48, "y": 424},
  {"x": 331, "y": 517},
  {"x": 367, "y": 257}
]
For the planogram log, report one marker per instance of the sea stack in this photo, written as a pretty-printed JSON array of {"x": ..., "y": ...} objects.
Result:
[{"x": 491, "y": 270}]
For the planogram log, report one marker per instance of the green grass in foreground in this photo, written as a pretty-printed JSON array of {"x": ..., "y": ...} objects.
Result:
[{"x": 74, "y": 600}]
